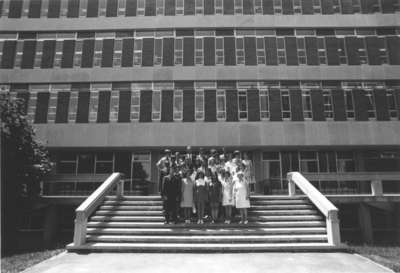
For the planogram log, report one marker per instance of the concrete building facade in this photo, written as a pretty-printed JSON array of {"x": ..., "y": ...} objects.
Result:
[{"x": 310, "y": 86}]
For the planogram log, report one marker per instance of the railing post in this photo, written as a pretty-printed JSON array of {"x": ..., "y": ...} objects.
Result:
[
  {"x": 80, "y": 228},
  {"x": 376, "y": 188},
  {"x": 120, "y": 188},
  {"x": 333, "y": 228},
  {"x": 291, "y": 186}
]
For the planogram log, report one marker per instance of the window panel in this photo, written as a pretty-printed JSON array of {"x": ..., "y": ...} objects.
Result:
[
  {"x": 167, "y": 106},
  {"x": 189, "y": 7},
  {"x": 232, "y": 107},
  {"x": 229, "y": 51},
  {"x": 218, "y": 6},
  {"x": 150, "y": 8},
  {"x": 9, "y": 53},
  {"x": 228, "y": 6},
  {"x": 188, "y": 51},
  {"x": 63, "y": 99},
  {"x": 209, "y": 7},
  {"x": 179, "y": 7},
  {"x": 15, "y": 9},
  {"x": 287, "y": 7},
  {"x": 318, "y": 105},
  {"x": 73, "y": 9},
  {"x": 156, "y": 105},
  {"x": 92, "y": 8},
  {"x": 103, "y": 111},
  {"x": 199, "y": 105},
  {"x": 107, "y": 53},
  {"x": 250, "y": 51},
  {"x": 34, "y": 8},
  {"x": 112, "y": 8},
  {"x": 42, "y": 107},
  {"x": 271, "y": 51},
  {"x": 54, "y": 9}
]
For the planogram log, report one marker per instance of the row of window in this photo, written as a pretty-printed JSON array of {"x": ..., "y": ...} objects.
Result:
[
  {"x": 114, "y": 8},
  {"x": 87, "y": 52},
  {"x": 221, "y": 104}
]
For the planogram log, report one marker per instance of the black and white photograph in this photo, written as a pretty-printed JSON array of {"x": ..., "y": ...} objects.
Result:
[{"x": 200, "y": 136}]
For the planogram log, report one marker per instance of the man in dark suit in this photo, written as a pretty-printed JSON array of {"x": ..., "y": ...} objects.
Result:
[{"x": 171, "y": 195}]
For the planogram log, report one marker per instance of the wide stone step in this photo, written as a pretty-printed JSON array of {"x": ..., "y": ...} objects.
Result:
[
  {"x": 202, "y": 247},
  {"x": 115, "y": 228},
  {"x": 134, "y": 198},
  {"x": 185, "y": 239},
  {"x": 282, "y": 212},
  {"x": 283, "y": 207},
  {"x": 127, "y": 223},
  {"x": 281, "y": 202},
  {"x": 278, "y": 197}
]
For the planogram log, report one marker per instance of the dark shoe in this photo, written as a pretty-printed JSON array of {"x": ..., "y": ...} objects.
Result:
[{"x": 166, "y": 222}]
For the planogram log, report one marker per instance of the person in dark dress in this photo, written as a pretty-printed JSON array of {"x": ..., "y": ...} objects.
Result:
[
  {"x": 163, "y": 166},
  {"x": 171, "y": 195}
]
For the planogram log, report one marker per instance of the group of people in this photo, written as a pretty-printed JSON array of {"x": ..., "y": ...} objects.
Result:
[{"x": 202, "y": 183}]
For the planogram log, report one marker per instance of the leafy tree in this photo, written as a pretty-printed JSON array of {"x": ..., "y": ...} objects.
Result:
[{"x": 24, "y": 162}]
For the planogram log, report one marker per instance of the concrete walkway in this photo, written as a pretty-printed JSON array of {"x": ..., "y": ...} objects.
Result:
[{"x": 208, "y": 263}]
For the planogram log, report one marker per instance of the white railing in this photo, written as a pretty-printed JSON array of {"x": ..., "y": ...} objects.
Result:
[
  {"x": 320, "y": 201},
  {"x": 84, "y": 211}
]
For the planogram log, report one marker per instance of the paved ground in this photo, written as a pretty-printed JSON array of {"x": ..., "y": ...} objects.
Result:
[{"x": 208, "y": 263}]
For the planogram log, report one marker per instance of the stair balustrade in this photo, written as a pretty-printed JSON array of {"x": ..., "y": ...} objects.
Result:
[
  {"x": 320, "y": 201},
  {"x": 84, "y": 211}
]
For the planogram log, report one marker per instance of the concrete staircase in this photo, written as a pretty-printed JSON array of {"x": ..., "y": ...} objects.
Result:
[{"x": 276, "y": 223}]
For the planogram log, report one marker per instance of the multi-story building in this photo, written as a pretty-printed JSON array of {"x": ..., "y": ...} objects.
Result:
[{"x": 301, "y": 85}]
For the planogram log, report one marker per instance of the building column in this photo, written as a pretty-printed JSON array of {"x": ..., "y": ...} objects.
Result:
[
  {"x": 365, "y": 223},
  {"x": 50, "y": 225}
]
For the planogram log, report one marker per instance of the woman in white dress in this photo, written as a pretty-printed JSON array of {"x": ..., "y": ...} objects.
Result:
[
  {"x": 248, "y": 170},
  {"x": 242, "y": 197},
  {"x": 187, "y": 196},
  {"x": 227, "y": 194}
]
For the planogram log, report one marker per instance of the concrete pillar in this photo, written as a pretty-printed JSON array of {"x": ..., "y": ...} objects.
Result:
[
  {"x": 50, "y": 225},
  {"x": 365, "y": 223}
]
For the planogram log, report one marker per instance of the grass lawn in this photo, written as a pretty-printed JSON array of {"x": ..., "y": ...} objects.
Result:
[
  {"x": 388, "y": 256},
  {"x": 19, "y": 262}
]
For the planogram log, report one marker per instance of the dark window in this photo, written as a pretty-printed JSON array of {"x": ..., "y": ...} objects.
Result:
[
  {"x": 317, "y": 105},
  {"x": 108, "y": 53},
  {"x": 42, "y": 106},
  {"x": 327, "y": 6},
  {"x": 275, "y": 105},
  {"x": 291, "y": 51},
  {"x": 388, "y": 6},
  {"x": 287, "y": 6},
  {"x": 373, "y": 46},
  {"x": 67, "y": 60},
  {"x": 209, "y": 51},
  {"x": 332, "y": 46},
  {"x": 86, "y": 163},
  {"x": 49, "y": 49},
  {"x": 87, "y": 53},
  {"x": 103, "y": 111},
  {"x": 311, "y": 50},
  {"x": 54, "y": 9},
  {"x": 382, "y": 109},
  {"x": 248, "y": 7},
  {"x": 347, "y": 6},
  {"x": 62, "y": 107},
  {"x": 268, "y": 7},
  {"x": 188, "y": 51},
  {"x": 148, "y": 52},
  {"x": 9, "y": 50},
  {"x": 229, "y": 51},
  {"x": 131, "y": 6},
  {"x": 189, "y": 7},
  {"x": 253, "y": 100},
  {"x": 15, "y": 9},
  {"x": 127, "y": 53},
  {"x": 210, "y": 105},
  {"x": 145, "y": 105},
  {"x": 92, "y": 8},
  {"x": 167, "y": 105},
  {"x": 209, "y": 8},
  {"x": 271, "y": 51},
  {"x": 73, "y": 9},
  {"x": 188, "y": 106},
  {"x": 296, "y": 107},
  {"x": 168, "y": 52},
  {"x": 393, "y": 44},
  {"x": 150, "y": 8},
  {"x": 339, "y": 108},
  {"x": 369, "y": 6},
  {"x": 250, "y": 50},
  {"x": 82, "y": 113},
  {"x": 124, "y": 108},
  {"x": 112, "y": 8},
  {"x": 360, "y": 105},
  {"x": 34, "y": 8},
  {"x": 353, "y": 44},
  {"x": 28, "y": 57},
  {"x": 231, "y": 105},
  {"x": 307, "y": 7},
  {"x": 228, "y": 7},
  {"x": 170, "y": 7}
]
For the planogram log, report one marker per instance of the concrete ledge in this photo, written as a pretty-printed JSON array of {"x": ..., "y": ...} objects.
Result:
[
  {"x": 228, "y": 134},
  {"x": 208, "y": 73},
  {"x": 209, "y": 21}
]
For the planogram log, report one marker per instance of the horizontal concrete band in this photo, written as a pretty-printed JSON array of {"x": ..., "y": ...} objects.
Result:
[
  {"x": 209, "y": 21},
  {"x": 233, "y": 134},
  {"x": 261, "y": 72}
]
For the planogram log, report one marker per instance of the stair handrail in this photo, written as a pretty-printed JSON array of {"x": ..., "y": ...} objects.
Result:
[
  {"x": 83, "y": 212},
  {"x": 320, "y": 201}
]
